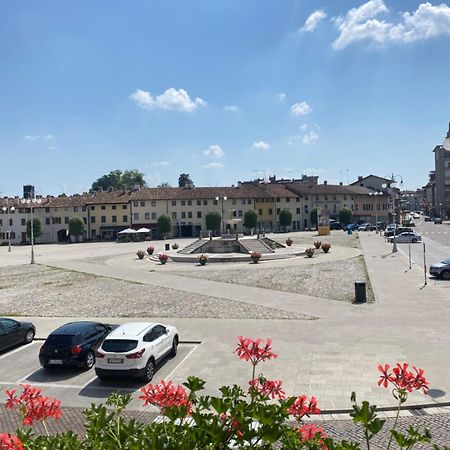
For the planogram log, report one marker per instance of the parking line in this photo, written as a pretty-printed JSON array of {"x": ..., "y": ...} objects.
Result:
[
  {"x": 53, "y": 385},
  {"x": 18, "y": 349},
  {"x": 169, "y": 376}
]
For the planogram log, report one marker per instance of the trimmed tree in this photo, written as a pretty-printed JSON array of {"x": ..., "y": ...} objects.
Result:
[
  {"x": 250, "y": 219},
  {"x": 345, "y": 216},
  {"x": 37, "y": 228},
  {"x": 285, "y": 218},
  {"x": 76, "y": 226},
  {"x": 313, "y": 217},
  {"x": 213, "y": 221},
  {"x": 164, "y": 225}
]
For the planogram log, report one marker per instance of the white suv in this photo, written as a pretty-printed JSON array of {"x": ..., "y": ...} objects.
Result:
[{"x": 133, "y": 349}]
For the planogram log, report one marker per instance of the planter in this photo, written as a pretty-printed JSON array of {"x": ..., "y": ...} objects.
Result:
[
  {"x": 255, "y": 257},
  {"x": 140, "y": 254},
  {"x": 317, "y": 244},
  {"x": 289, "y": 242},
  {"x": 326, "y": 247},
  {"x": 175, "y": 246},
  {"x": 202, "y": 260},
  {"x": 163, "y": 258},
  {"x": 309, "y": 252},
  {"x": 150, "y": 250}
]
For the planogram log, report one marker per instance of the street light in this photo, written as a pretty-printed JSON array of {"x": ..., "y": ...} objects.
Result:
[
  {"x": 394, "y": 215},
  {"x": 7, "y": 209},
  {"x": 31, "y": 202},
  {"x": 376, "y": 194},
  {"x": 224, "y": 198},
  {"x": 446, "y": 143}
]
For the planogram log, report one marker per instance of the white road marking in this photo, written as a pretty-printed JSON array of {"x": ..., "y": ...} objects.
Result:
[
  {"x": 18, "y": 349},
  {"x": 169, "y": 376},
  {"x": 64, "y": 386}
]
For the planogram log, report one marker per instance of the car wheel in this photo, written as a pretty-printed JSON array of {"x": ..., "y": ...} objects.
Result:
[
  {"x": 89, "y": 361},
  {"x": 446, "y": 274},
  {"x": 29, "y": 336},
  {"x": 414, "y": 240},
  {"x": 174, "y": 350},
  {"x": 149, "y": 371}
]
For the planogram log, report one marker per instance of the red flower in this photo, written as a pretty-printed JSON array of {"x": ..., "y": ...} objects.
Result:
[
  {"x": 232, "y": 424},
  {"x": 310, "y": 432},
  {"x": 33, "y": 405},
  {"x": 303, "y": 406},
  {"x": 403, "y": 379},
  {"x": 268, "y": 388},
  {"x": 10, "y": 442},
  {"x": 165, "y": 395},
  {"x": 254, "y": 350}
]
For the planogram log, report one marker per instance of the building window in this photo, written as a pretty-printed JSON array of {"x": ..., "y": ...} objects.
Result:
[
  {"x": 93, "y": 233},
  {"x": 174, "y": 215},
  {"x": 334, "y": 208},
  {"x": 142, "y": 203},
  {"x": 278, "y": 199},
  {"x": 153, "y": 203},
  {"x": 174, "y": 203},
  {"x": 92, "y": 208},
  {"x": 205, "y": 202},
  {"x": 75, "y": 209},
  {"x": 103, "y": 207},
  {"x": 278, "y": 211},
  {"x": 326, "y": 197},
  {"x": 306, "y": 197},
  {"x": 66, "y": 220},
  {"x": 135, "y": 204},
  {"x": 47, "y": 210},
  {"x": 124, "y": 218},
  {"x": 47, "y": 221},
  {"x": 249, "y": 201},
  {"x": 233, "y": 201},
  {"x": 92, "y": 219},
  {"x": 288, "y": 199},
  {"x": 153, "y": 216},
  {"x": 113, "y": 206},
  {"x": 240, "y": 213},
  {"x": 199, "y": 202},
  {"x": 103, "y": 219},
  {"x": 297, "y": 211},
  {"x": 214, "y": 202},
  {"x": 243, "y": 201},
  {"x": 183, "y": 202},
  {"x": 56, "y": 220},
  {"x": 260, "y": 212},
  {"x": 199, "y": 214},
  {"x": 183, "y": 215},
  {"x": 189, "y": 214},
  {"x": 297, "y": 199},
  {"x": 189, "y": 202},
  {"x": 317, "y": 197},
  {"x": 114, "y": 219},
  {"x": 135, "y": 216},
  {"x": 24, "y": 221},
  {"x": 124, "y": 207},
  {"x": 66, "y": 209},
  {"x": 147, "y": 216},
  {"x": 85, "y": 220}
]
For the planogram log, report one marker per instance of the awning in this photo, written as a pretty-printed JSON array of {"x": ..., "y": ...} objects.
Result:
[
  {"x": 127, "y": 231},
  {"x": 143, "y": 230}
]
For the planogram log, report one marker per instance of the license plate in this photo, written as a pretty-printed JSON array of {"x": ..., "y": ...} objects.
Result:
[
  {"x": 55, "y": 361},
  {"x": 115, "y": 361}
]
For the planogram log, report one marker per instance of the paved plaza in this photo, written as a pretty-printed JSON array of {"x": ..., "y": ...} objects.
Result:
[{"x": 328, "y": 357}]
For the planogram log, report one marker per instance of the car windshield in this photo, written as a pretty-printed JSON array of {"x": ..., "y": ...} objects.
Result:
[
  {"x": 446, "y": 261},
  {"x": 60, "y": 339},
  {"x": 119, "y": 345}
]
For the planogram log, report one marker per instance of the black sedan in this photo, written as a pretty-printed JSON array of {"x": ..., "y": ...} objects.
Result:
[
  {"x": 13, "y": 332},
  {"x": 74, "y": 344}
]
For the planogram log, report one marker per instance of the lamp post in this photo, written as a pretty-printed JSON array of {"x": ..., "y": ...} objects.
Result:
[
  {"x": 394, "y": 215},
  {"x": 31, "y": 202},
  {"x": 224, "y": 198},
  {"x": 7, "y": 209},
  {"x": 376, "y": 194}
]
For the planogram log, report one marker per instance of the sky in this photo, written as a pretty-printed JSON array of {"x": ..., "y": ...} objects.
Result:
[{"x": 225, "y": 90}]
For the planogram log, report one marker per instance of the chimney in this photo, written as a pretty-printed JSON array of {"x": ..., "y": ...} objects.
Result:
[
  {"x": 340, "y": 183},
  {"x": 325, "y": 182},
  {"x": 360, "y": 178}
]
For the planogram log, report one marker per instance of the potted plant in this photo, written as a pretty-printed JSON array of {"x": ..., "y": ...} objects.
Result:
[
  {"x": 289, "y": 242},
  {"x": 163, "y": 258},
  {"x": 202, "y": 259},
  {"x": 317, "y": 244},
  {"x": 309, "y": 252},
  {"x": 255, "y": 257},
  {"x": 150, "y": 250},
  {"x": 140, "y": 254},
  {"x": 175, "y": 246},
  {"x": 326, "y": 247}
]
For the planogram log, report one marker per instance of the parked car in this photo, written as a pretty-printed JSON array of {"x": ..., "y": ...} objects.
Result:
[
  {"x": 437, "y": 220},
  {"x": 398, "y": 231},
  {"x": 335, "y": 225},
  {"x": 406, "y": 237},
  {"x": 416, "y": 216},
  {"x": 352, "y": 226},
  {"x": 74, "y": 344},
  {"x": 441, "y": 270},
  {"x": 364, "y": 227},
  {"x": 13, "y": 332},
  {"x": 427, "y": 219},
  {"x": 133, "y": 350}
]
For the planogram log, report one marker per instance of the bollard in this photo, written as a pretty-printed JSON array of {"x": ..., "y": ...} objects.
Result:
[
  {"x": 167, "y": 247},
  {"x": 360, "y": 292}
]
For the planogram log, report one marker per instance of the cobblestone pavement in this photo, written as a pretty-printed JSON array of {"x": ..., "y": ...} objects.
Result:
[{"x": 439, "y": 425}]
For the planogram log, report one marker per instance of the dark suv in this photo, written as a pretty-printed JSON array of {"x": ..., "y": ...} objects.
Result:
[
  {"x": 74, "y": 344},
  {"x": 399, "y": 230}
]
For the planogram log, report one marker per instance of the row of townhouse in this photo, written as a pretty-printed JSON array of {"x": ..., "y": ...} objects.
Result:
[{"x": 107, "y": 213}]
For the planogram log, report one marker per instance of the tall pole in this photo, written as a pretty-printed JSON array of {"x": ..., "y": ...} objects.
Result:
[
  {"x": 32, "y": 234},
  {"x": 424, "y": 265},
  {"x": 9, "y": 229},
  {"x": 394, "y": 245},
  {"x": 409, "y": 250}
]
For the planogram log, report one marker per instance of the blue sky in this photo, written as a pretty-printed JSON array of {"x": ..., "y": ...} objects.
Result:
[{"x": 224, "y": 90}]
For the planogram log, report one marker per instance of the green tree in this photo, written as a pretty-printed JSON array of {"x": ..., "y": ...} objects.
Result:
[
  {"x": 345, "y": 216},
  {"x": 164, "y": 225},
  {"x": 285, "y": 218},
  {"x": 76, "y": 226},
  {"x": 37, "y": 228},
  {"x": 184, "y": 180},
  {"x": 250, "y": 219},
  {"x": 164, "y": 184},
  {"x": 313, "y": 216},
  {"x": 213, "y": 221},
  {"x": 117, "y": 179}
]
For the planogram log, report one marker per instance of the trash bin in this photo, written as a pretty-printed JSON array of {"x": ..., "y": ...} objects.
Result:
[
  {"x": 360, "y": 292},
  {"x": 349, "y": 231},
  {"x": 166, "y": 247}
]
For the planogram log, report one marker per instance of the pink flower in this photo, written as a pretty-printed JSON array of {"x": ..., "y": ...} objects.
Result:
[
  {"x": 310, "y": 432},
  {"x": 254, "y": 350},
  {"x": 166, "y": 395},
  {"x": 402, "y": 378},
  {"x": 10, "y": 442},
  {"x": 303, "y": 406},
  {"x": 268, "y": 388}
]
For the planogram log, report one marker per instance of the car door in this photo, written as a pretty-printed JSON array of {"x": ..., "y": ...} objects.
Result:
[
  {"x": 156, "y": 337},
  {"x": 13, "y": 331},
  {"x": 3, "y": 338}
]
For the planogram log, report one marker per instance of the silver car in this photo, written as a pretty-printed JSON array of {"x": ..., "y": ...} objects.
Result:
[
  {"x": 441, "y": 270},
  {"x": 406, "y": 237}
]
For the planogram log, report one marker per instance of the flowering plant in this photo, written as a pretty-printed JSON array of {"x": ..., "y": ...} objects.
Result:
[
  {"x": 163, "y": 258},
  {"x": 255, "y": 257},
  {"x": 140, "y": 254},
  {"x": 175, "y": 246},
  {"x": 150, "y": 250},
  {"x": 202, "y": 259},
  {"x": 309, "y": 252},
  {"x": 289, "y": 242},
  {"x": 326, "y": 247},
  {"x": 317, "y": 244}
]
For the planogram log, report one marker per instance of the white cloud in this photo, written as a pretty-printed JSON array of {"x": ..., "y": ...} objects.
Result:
[
  {"x": 48, "y": 137},
  {"x": 232, "y": 108},
  {"x": 160, "y": 163},
  {"x": 281, "y": 96},
  {"x": 310, "y": 137},
  {"x": 31, "y": 137},
  {"x": 360, "y": 23},
  {"x": 171, "y": 100},
  {"x": 261, "y": 146},
  {"x": 313, "y": 20},
  {"x": 52, "y": 147},
  {"x": 213, "y": 165},
  {"x": 35, "y": 137},
  {"x": 214, "y": 151},
  {"x": 300, "y": 109}
]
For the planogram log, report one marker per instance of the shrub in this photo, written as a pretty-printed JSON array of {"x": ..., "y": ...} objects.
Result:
[
  {"x": 317, "y": 244},
  {"x": 175, "y": 246},
  {"x": 164, "y": 225},
  {"x": 285, "y": 218},
  {"x": 203, "y": 259},
  {"x": 163, "y": 258},
  {"x": 76, "y": 226},
  {"x": 326, "y": 247},
  {"x": 309, "y": 252},
  {"x": 150, "y": 250},
  {"x": 140, "y": 254},
  {"x": 289, "y": 242},
  {"x": 250, "y": 219},
  {"x": 255, "y": 257},
  {"x": 213, "y": 221}
]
